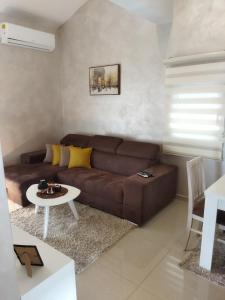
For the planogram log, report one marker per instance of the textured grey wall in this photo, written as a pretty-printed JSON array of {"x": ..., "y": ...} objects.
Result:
[
  {"x": 102, "y": 33},
  {"x": 30, "y": 104},
  {"x": 198, "y": 27}
]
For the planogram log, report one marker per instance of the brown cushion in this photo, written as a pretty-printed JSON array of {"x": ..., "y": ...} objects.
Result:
[
  {"x": 78, "y": 140},
  {"x": 221, "y": 217},
  {"x": 144, "y": 197},
  {"x": 199, "y": 208},
  {"x": 199, "y": 211},
  {"x": 95, "y": 182},
  {"x": 20, "y": 177},
  {"x": 33, "y": 157},
  {"x": 100, "y": 203},
  {"x": 76, "y": 176},
  {"x": 118, "y": 164},
  {"x": 105, "y": 143},
  {"x": 139, "y": 149}
]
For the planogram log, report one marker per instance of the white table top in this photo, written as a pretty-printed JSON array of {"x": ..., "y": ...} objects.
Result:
[
  {"x": 53, "y": 261},
  {"x": 31, "y": 194},
  {"x": 217, "y": 189}
]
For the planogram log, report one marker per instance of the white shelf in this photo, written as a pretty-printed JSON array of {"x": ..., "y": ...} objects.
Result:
[{"x": 56, "y": 280}]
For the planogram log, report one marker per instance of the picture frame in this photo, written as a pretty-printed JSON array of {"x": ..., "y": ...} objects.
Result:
[
  {"x": 105, "y": 80},
  {"x": 28, "y": 256},
  {"x": 33, "y": 252}
]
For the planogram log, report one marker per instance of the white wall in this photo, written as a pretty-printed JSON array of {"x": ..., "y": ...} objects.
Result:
[
  {"x": 102, "y": 33},
  {"x": 163, "y": 32},
  {"x": 30, "y": 104},
  {"x": 8, "y": 280},
  {"x": 198, "y": 27}
]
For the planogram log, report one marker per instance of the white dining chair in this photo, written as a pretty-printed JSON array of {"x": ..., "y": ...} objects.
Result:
[{"x": 196, "y": 200}]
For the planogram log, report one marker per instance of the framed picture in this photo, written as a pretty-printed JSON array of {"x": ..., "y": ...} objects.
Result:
[
  {"x": 33, "y": 253},
  {"x": 104, "y": 80},
  {"x": 28, "y": 256}
]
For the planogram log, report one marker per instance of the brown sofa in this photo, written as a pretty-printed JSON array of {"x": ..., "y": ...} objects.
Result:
[{"x": 112, "y": 184}]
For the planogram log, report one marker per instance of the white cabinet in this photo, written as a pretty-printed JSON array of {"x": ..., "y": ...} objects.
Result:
[
  {"x": 56, "y": 280},
  {"x": 8, "y": 283}
]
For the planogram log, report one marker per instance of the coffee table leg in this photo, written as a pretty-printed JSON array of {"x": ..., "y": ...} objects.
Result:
[
  {"x": 46, "y": 222},
  {"x": 74, "y": 210},
  {"x": 36, "y": 209}
]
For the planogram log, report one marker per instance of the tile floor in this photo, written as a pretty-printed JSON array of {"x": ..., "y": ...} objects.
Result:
[{"x": 144, "y": 265}]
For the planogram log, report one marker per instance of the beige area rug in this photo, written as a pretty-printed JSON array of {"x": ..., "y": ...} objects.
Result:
[
  {"x": 95, "y": 233},
  {"x": 217, "y": 274}
]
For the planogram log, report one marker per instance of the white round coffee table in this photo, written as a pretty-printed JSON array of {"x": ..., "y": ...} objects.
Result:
[{"x": 72, "y": 194}]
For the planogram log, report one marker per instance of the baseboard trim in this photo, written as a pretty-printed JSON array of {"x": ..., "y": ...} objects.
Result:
[{"x": 181, "y": 197}]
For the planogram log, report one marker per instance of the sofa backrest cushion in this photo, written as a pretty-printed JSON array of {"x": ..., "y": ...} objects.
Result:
[
  {"x": 114, "y": 155},
  {"x": 78, "y": 140},
  {"x": 139, "y": 150},
  {"x": 119, "y": 164},
  {"x": 105, "y": 143}
]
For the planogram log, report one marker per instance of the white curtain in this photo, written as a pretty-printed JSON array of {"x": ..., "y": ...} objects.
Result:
[{"x": 195, "y": 98}]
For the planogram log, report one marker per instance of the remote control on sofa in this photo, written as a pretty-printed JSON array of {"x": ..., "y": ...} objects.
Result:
[{"x": 145, "y": 174}]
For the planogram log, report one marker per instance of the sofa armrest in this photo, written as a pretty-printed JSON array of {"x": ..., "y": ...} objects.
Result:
[
  {"x": 144, "y": 197},
  {"x": 33, "y": 157}
]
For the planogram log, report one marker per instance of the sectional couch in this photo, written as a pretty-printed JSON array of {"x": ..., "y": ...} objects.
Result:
[{"x": 112, "y": 184}]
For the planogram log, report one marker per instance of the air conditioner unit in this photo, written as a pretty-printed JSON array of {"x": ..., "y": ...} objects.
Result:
[{"x": 15, "y": 35}]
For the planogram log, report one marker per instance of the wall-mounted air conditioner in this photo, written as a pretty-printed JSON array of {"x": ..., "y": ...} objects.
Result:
[{"x": 15, "y": 35}]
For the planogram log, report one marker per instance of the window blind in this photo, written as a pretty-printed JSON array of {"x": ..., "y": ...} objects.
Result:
[{"x": 195, "y": 98}]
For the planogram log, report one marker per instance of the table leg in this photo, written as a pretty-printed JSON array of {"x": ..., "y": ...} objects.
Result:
[
  {"x": 208, "y": 233},
  {"x": 36, "y": 209},
  {"x": 46, "y": 222},
  {"x": 73, "y": 209}
]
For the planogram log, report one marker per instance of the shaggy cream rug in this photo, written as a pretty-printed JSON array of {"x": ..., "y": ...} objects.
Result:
[
  {"x": 217, "y": 274},
  {"x": 95, "y": 232}
]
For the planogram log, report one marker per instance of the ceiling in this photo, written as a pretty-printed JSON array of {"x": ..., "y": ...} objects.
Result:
[
  {"x": 57, "y": 12},
  {"x": 157, "y": 11}
]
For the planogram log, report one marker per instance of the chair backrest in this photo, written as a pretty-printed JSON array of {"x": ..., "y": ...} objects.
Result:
[{"x": 196, "y": 184}]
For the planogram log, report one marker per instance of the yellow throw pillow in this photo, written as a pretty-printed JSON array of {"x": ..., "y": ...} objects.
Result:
[
  {"x": 80, "y": 158},
  {"x": 56, "y": 151}
]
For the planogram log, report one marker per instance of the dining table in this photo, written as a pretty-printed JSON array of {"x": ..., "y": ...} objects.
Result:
[{"x": 214, "y": 201}]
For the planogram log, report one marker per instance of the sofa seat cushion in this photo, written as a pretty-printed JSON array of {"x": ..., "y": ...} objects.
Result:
[
  {"x": 20, "y": 177},
  {"x": 22, "y": 173},
  {"x": 95, "y": 182}
]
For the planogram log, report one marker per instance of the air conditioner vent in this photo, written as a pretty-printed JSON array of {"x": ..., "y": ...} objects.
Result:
[{"x": 15, "y": 35}]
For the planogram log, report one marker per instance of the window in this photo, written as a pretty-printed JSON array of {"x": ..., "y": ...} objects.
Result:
[{"x": 195, "y": 97}]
